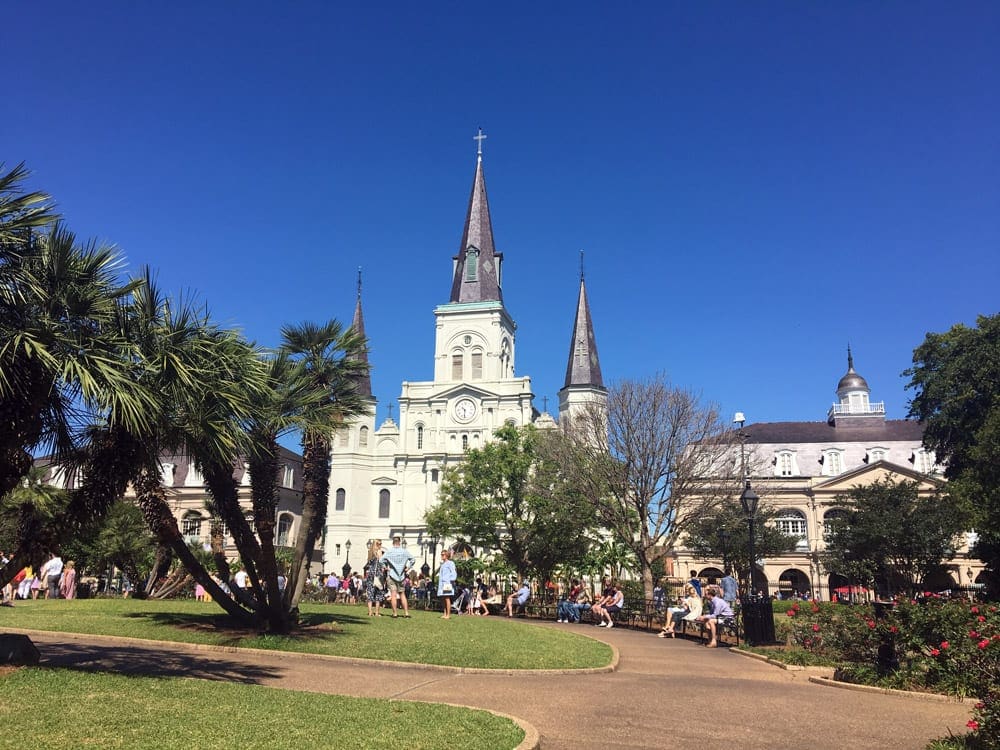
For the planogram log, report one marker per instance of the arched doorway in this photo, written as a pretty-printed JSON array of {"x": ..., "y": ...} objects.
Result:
[
  {"x": 710, "y": 575},
  {"x": 793, "y": 582},
  {"x": 939, "y": 580}
]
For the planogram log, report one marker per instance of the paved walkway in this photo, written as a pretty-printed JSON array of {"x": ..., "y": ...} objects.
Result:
[{"x": 664, "y": 693}]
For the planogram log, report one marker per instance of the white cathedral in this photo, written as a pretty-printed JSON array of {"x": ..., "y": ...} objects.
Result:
[{"x": 383, "y": 480}]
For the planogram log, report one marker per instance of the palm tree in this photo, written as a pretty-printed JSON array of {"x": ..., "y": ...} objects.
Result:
[
  {"x": 20, "y": 212},
  {"x": 329, "y": 356}
]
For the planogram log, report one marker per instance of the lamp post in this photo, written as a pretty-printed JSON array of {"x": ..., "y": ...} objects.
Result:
[
  {"x": 433, "y": 542},
  {"x": 346, "y": 570},
  {"x": 758, "y": 615}
]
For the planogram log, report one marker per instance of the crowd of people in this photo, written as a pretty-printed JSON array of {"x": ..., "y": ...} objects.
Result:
[{"x": 53, "y": 580}]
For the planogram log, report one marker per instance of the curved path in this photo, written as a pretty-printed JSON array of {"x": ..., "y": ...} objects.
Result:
[{"x": 664, "y": 693}]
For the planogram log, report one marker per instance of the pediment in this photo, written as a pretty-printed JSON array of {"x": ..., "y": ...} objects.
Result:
[
  {"x": 384, "y": 480},
  {"x": 462, "y": 389},
  {"x": 878, "y": 471}
]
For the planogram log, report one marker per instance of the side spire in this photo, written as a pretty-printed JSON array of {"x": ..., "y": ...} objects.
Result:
[
  {"x": 584, "y": 367},
  {"x": 477, "y": 265},
  {"x": 364, "y": 382}
]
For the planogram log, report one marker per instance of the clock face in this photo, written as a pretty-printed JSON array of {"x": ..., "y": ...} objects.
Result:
[{"x": 465, "y": 409}]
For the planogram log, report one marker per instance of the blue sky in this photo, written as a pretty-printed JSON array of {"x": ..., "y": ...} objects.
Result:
[{"x": 755, "y": 185}]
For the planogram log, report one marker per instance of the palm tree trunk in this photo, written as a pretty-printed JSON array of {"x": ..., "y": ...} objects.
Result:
[
  {"x": 263, "y": 475},
  {"x": 149, "y": 495},
  {"x": 315, "y": 495}
]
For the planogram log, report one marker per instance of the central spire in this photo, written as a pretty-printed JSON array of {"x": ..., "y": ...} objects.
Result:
[
  {"x": 363, "y": 382},
  {"x": 477, "y": 265}
]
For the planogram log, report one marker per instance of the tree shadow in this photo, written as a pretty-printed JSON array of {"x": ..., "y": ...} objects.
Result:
[{"x": 152, "y": 662}]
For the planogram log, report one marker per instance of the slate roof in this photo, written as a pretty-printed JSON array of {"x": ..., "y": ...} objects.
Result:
[
  {"x": 868, "y": 430},
  {"x": 478, "y": 233},
  {"x": 364, "y": 382},
  {"x": 584, "y": 366}
]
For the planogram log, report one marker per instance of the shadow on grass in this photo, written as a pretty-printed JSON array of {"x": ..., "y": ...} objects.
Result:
[
  {"x": 152, "y": 662},
  {"x": 312, "y": 625}
]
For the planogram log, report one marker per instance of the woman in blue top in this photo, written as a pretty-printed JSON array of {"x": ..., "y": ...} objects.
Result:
[{"x": 446, "y": 582}]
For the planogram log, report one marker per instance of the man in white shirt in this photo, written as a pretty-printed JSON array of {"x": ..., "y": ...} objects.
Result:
[{"x": 51, "y": 572}]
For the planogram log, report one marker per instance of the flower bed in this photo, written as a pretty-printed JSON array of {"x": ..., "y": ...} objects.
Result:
[{"x": 943, "y": 646}]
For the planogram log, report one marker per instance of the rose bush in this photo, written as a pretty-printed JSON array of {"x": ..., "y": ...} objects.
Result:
[{"x": 946, "y": 646}]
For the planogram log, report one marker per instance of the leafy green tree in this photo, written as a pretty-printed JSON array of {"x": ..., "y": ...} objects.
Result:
[
  {"x": 123, "y": 541},
  {"x": 956, "y": 376},
  {"x": 512, "y": 497},
  {"x": 893, "y": 535},
  {"x": 725, "y": 534}
]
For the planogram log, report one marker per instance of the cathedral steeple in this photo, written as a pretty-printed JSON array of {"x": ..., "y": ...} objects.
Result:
[
  {"x": 584, "y": 367},
  {"x": 477, "y": 265},
  {"x": 584, "y": 389},
  {"x": 364, "y": 382}
]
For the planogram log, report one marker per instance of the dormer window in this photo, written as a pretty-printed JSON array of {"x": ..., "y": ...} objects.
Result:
[
  {"x": 785, "y": 464},
  {"x": 833, "y": 462},
  {"x": 874, "y": 455},
  {"x": 924, "y": 461},
  {"x": 472, "y": 264}
]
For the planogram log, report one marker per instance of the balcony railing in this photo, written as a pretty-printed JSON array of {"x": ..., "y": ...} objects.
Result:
[{"x": 856, "y": 410}]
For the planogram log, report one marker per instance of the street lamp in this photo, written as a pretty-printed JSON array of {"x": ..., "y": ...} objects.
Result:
[
  {"x": 346, "y": 570},
  {"x": 433, "y": 541},
  {"x": 758, "y": 615}
]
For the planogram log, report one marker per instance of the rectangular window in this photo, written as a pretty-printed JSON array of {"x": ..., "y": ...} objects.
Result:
[
  {"x": 456, "y": 366},
  {"x": 785, "y": 464},
  {"x": 383, "y": 504},
  {"x": 477, "y": 365},
  {"x": 341, "y": 499}
]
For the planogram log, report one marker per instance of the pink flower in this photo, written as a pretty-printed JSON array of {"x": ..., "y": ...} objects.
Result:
[
  {"x": 893, "y": 629},
  {"x": 981, "y": 618},
  {"x": 945, "y": 645},
  {"x": 972, "y": 724},
  {"x": 815, "y": 628},
  {"x": 984, "y": 643},
  {"x": 870, "y": 624},
  {"x": 973, "y": 634},
  {"x": 974, "y": 610},
  {"x": 935, "y": 652}
]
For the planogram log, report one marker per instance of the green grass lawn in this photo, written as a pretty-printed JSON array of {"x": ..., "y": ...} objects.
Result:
[
  {"x": 341, "y": 630},
  {"x": 46, "y": 709}
]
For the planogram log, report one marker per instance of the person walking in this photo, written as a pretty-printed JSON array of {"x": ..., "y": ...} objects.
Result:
[
  {"x": 67, "y": 584},
  {"x": 447, "y": 575},
  {"x": 50, "y": 574},
  {"x": 398, "y": 562},
  {"x": 374, "y": 571}
]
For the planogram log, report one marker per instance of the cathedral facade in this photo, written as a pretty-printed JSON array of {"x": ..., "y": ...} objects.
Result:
[{"x": 384, "y": 479}]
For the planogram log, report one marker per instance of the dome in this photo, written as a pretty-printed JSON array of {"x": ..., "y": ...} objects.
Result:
[{"x": 851, "y": 380}]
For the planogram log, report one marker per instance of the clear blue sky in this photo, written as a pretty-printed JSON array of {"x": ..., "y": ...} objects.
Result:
[{"x": 755, "y": 185}]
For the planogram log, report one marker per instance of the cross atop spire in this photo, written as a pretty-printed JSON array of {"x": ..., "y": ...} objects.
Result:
[
  {"x": 581, "y": 265},
  {"x": 479, "y": 143},
  {"x": 359, "y": 282}
]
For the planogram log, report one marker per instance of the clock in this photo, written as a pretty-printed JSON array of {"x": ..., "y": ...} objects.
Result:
[{"x": 465, "y": 409}]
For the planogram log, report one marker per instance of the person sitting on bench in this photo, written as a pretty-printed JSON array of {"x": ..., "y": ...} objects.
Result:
[
  {"x": 519, "y": 598},
  {"x": 718, "y": 609},
  {"x": 613, "y": 607},
  {"x": 688, "y": 610}
]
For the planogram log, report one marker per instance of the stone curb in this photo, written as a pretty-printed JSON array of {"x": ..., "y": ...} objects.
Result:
[
  {"x": 830, "y": 682},
  {"x": 768, "y": 660},
  {"x": 213, "y": 648},
  {"x": 933, "y": 697}
]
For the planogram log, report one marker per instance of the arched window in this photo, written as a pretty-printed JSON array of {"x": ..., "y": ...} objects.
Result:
[
  {"x": 191, "y": 526},
  {"x": 477, "y": 364},
  {"x": 363, "y": 437},
  {"x": 793, "y": 523},
  {"x": 420, "y": 436},
  {"x": 829, "y": 518},
  {"x": 383, "y": 504},
  {"x": 341, "y": 499},
  {"x": 465, "y": 442},
  {"x": 505, "y": 363},
  {"x": 284, "y": 530},
  {"x": 457, "y": 365}
]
